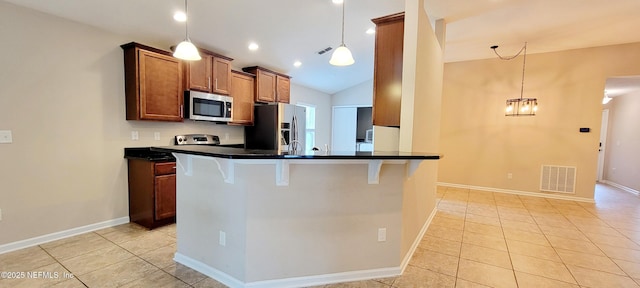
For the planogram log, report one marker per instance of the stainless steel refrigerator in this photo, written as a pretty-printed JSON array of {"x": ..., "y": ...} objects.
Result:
[{"x": 279, "y": 127}]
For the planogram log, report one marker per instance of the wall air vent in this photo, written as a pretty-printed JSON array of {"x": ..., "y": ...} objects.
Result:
[
  {"x": 325, "y": 50},
  {"x": 558, "y": 179}
]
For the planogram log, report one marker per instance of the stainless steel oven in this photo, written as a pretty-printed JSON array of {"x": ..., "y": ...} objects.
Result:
[{"x": 207, "y": 107}]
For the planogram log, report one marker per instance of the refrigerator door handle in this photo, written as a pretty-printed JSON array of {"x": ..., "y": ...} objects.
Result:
[{"x": 294, "y": 135}]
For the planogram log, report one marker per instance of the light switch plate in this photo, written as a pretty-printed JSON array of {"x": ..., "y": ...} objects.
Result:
[
  {"x": 223, "y": 239},
  {"x": 156, "y": 136},
  {"x": 5, "y": 136},
  {"x": 382, "y": 234}
]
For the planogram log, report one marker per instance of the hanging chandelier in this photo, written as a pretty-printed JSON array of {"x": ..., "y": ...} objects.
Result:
[{"x": 519, "y": 106}]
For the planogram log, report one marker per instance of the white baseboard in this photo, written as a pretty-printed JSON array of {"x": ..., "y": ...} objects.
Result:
[
  {"x": 416, "y": 242},
  {"x": 621, "y": 187},
  {"x": 62, "y": 234},
  {"x": 315, "y": 280},
  {"x": 517, "y": 192}
]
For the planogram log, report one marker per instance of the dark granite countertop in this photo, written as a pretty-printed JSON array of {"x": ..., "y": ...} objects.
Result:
[
  {"x": 145, "y": 153},
  {"x": 239, "y": 153}
]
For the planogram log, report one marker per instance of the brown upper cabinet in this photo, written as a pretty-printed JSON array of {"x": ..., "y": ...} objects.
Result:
[
  {"x": 270, "y": 86},
  {"x": 387, "y": 73},
  {"x": 153, "y": 84},
  {"x": 242, "y": 91},
  {"x": 283, "y": 88},
  {"x": 212, "y": 74}
]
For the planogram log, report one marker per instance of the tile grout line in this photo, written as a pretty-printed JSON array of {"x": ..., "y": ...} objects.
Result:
[
  {"x": 138, "y": 256},
  {"x": 513, "y": 268},
  {"x": 589, "y": 241},
  {"x": 555, "y": 250},
  {"x": 65, "y": 267}
]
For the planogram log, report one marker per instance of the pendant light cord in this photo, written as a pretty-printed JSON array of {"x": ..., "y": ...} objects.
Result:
[
  {"x": 524, "y": 62},
  {"x": 186, "y": 22},
  {"x": 343, "y": 2}
]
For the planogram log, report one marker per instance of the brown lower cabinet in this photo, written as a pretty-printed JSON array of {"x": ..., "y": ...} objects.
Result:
[{"x": 152, "y": 192}]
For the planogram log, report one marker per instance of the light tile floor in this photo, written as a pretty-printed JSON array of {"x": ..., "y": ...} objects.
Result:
[{"x": 477, "y": 239}]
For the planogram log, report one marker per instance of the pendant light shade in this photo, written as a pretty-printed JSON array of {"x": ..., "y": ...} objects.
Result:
[
  {"x": 186, "y": 50},
  {"x": 342, "y": 56}
]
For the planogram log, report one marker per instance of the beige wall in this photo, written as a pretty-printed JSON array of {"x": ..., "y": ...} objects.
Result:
[
  {"x": 622, "y": 155},
  {"x": 62, "y": 95},
  {"x": 481, "y": 145},
  {"x": 420, "y": 122}
]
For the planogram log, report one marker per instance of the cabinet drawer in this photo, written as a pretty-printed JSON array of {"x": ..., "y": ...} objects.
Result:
[{"x": 165, "y": 168}]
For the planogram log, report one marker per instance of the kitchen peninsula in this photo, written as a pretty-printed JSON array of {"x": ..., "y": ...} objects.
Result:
[{"x": 258, "y": 218}]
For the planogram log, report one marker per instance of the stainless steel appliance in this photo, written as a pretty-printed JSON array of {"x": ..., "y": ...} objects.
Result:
[
  {"x": 197, "y": 139},
  {"x": 277, "y": 127},
  {"x": 207, "y": 107}
]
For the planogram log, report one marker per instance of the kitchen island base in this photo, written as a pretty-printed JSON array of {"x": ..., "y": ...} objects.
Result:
[{"x": 326, "y": 225}]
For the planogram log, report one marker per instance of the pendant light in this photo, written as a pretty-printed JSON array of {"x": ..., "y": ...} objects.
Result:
[
  {"x": 342, "y": 56},
  {"x": 519, "y": 106},
  {"x": 186, "y": 50}
]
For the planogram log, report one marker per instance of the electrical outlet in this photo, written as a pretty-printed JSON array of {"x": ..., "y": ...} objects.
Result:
[
  {"x": 509, "y": 175},
  {"x": 5, "y": 136},
  {"x": 223, "y": 239},
  {"x": 134, "y": 135},
  {"x": 226, "y": 136},
  {"x": 156, "y": 136},
  {"x": 382, "y": 234}
]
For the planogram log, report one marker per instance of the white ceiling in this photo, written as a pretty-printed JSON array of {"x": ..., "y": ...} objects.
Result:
[{"x": 290, "y": 30}]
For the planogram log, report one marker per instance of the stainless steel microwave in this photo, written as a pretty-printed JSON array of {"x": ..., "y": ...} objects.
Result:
[{"x": 207, "y": 107}]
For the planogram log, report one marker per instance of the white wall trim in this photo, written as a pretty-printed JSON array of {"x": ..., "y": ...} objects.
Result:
[
  {"x": 61, "y": 234},
  {"x": 622, "y": 187},
  {"x": 517, "y": 192},
  {"x": 205, "y": 269},
  {"x": 416, "y": 242},
  {"x": 315, "y": 280}
]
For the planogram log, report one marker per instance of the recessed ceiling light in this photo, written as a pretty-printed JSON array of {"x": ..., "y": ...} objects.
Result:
[
  {"x": 337, "y": 1},
  {"x": 297, "y": 63},
  {"x": 180, "y": 16},
  {"x": 371, "y": 31},
  {"x": 253, "y": 46}
]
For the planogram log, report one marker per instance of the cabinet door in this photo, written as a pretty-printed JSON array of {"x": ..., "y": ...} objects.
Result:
[
  {"x": 242, "y": 91},
  {"x": 387, "y": 75},
  {"x": 161, "y": 91},
  {"x": 199, "y": 74},
  {"x": 283, "y": 89},
  {"x": 266, "y": 86},
  {"x": 221, "y": 76},
  {"x": 165, "y": 196}
]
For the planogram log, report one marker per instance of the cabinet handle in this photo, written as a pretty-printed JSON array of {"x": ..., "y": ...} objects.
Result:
[
  {"x": 216, "y": 83},
  {"x": 209, "y": 84},
  {"x": 181, "y": 111}
]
